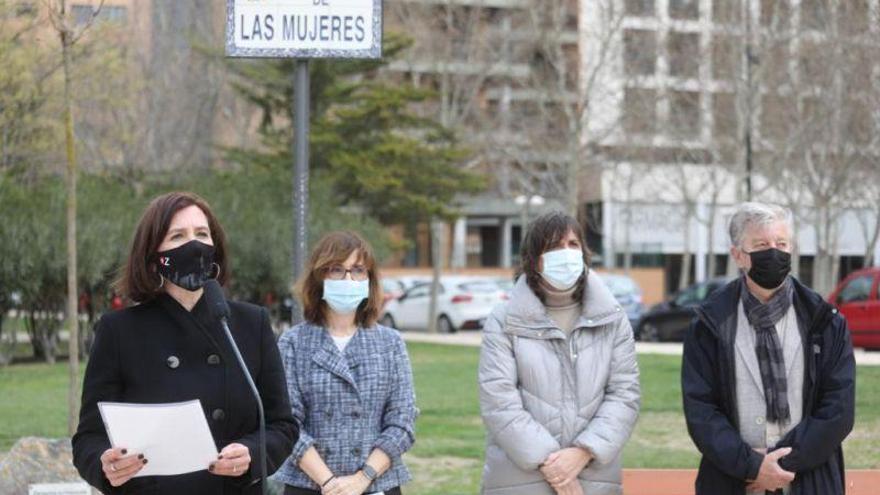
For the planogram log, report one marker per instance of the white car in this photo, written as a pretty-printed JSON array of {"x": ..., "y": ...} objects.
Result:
[{"x": 462, "y": 303}]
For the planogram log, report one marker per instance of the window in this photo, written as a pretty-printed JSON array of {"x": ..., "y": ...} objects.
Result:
[
  {"x": 640, "y": 52},
  {"x": 114, "y": 13},
  {"x": 684, "y": 9},
  {"x": 859, "y": 122},
  {"x": 725, "y": 58},
  {"x": 777, "y": 115},
  {"x": 642, "y": 8},
  {"x": 774, "y": 62},
  {"x": 639, "y": 111},
  {"x": 815, "y": 14},
  {"x": 813, "y": 63},
  {"x": 775, "y": 14},
  {"x": 724, "y": 115},
  {"x": 572, "y": 66},
  {"x": 692, "y": 296},
  {"x": 853, "y": 16},
  {"x": 727, "y": 11},
  {"x": 684, "y": 54},
  {"x": 857, "y": 289},
  {"x": 418, "y": 291},
  {"x": 82, "y": 14},
  {"x": 684, "y": 114},
  {"x": 26, "y": 8}
]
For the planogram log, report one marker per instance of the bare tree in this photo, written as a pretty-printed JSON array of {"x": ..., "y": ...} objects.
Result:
[
  {"x": 559, "y": 122},
  {"x": 69, "y": 36},
  {"x": 816, "y": 127},
  {"x": 454, "y": 51}
]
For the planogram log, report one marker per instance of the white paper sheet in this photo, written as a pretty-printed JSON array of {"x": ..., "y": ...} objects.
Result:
[{"x": 174, "y": 437}]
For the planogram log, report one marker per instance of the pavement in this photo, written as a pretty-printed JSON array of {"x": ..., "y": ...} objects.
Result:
[{"x": 471, "y": 338}]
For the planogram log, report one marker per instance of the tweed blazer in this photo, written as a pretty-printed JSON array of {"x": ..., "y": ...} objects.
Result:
[{"x": 349, "y": 403}]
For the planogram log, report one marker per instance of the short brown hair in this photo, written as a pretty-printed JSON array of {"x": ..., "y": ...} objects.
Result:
[
  {"x": 139, "y": 280},
  {"x": 545, "y": 234},
  {"x": 333, "y": 249}
]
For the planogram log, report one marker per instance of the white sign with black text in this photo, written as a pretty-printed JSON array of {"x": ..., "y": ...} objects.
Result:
[{"x": 304, "y": 28}]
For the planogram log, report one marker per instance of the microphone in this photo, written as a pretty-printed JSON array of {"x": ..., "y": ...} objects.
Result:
[{"x": 219, "y": 309}]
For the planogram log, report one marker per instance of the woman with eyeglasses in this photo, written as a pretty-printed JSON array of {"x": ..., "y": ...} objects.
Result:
[{"x": 349, "y": 379}]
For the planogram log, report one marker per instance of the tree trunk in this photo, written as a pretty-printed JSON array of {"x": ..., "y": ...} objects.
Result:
[
  {"x": 872, "y": 245},
  {"x": 72, "y": 293},
  {"x": 684, "y": 274},
  {"x": 627, "y": 239},
  {"x": 795, "y": 249},
  {"x": 711, "y": 267},
  {"x": 436, "y": 262}
]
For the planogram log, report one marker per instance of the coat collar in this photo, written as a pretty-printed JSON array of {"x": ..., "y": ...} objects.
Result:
[
  {"x": 343, "y": 365},
  {"x": 719, "y": 312},
  {"x": 598, "y": 306},
  {"x": 197, "y": 319}
]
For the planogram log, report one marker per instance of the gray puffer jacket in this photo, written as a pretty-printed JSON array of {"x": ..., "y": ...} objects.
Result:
[{"x": 541, "y": 391}]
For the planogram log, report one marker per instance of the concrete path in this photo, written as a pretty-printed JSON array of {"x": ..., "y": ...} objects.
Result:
[{"x": 472, "y": 338}]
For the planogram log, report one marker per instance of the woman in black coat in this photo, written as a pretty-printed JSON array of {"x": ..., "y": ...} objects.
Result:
[{"x": 168, "y": 348}]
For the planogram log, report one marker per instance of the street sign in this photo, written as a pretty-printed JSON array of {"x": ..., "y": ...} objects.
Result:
[{"x": 304, "y": 28}]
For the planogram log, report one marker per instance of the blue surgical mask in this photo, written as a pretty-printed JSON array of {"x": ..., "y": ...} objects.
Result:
[
  {"x": 563, "y": 267},
  {"x": 344, "y": 296}
]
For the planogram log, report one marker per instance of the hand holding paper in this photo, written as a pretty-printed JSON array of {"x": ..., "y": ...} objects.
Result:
[{"x": 174, "y": 437}]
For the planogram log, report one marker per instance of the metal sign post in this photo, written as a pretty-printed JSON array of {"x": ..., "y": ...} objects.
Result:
[{"x": 303, "y": 29}]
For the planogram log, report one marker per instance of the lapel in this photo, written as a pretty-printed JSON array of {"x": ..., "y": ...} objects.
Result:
[
  {"x": 792, "y": 341},
  {"x": 745, "y": 346},
  {"x": 359, "y": 346},
  {"x": 327, "y": 356},
  {"x": 189, "y": 321}
]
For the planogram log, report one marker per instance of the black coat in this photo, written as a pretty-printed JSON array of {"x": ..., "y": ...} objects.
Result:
[
  {"x": 709, "y": 392},
  {"x": 158, "y": 352}
]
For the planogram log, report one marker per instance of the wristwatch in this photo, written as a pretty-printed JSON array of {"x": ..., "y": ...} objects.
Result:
[{"x": 369, "y": 472}]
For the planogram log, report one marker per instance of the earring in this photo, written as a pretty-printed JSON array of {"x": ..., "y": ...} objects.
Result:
[
  {"x": 218, "y": 270},
  {"x": 161, "y": 281}
]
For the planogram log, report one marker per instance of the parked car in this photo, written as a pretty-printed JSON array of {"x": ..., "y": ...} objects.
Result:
[
  {"x": 391, "y": 289},
  {"x": 462, "y": 303},
  {"x": 670, "y": 319},
  {"x": 628, "y": 295},
  {"x": 857, "y": 299},
  {"x": 506, "y": 285}
]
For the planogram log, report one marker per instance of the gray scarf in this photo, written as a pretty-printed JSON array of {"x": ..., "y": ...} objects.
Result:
[{"x": 763, "y": 318}]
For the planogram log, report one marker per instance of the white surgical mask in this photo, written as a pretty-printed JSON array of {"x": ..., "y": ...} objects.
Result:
[
  {"x": 344, "y": 296},
  {"x": 562, "y": 267}
]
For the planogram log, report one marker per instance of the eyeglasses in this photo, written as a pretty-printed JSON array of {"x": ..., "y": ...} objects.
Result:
[{"x": 338, "y": 272}]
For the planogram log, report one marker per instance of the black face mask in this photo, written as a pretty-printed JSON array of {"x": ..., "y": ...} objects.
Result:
[
  {"x": 769, "y": 267},
  {"x": 188, "y": 266}
]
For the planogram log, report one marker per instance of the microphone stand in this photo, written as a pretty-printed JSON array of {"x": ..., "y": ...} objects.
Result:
[{"x": 256, "y": 394}]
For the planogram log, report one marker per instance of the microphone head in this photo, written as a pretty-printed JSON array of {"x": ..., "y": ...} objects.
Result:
[{"x": 215, "y": 300}]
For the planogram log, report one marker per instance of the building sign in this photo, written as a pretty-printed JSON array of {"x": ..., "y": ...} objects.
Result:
[{"x": 304, "y": 28}]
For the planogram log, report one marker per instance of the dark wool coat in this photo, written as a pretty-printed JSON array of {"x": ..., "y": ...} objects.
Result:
[{"x": 158, "y": 352}]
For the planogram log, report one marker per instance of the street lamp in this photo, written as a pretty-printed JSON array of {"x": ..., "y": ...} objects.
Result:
[{"x": 524, "y": 201}]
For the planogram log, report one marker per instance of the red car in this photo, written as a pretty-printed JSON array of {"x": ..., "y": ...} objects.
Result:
[{"x": 857, "y": 298}]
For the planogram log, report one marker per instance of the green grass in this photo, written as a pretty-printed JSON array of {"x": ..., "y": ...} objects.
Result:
[
  {"x": 33, "y": 402},
  {"x": 447, "y": 456}
]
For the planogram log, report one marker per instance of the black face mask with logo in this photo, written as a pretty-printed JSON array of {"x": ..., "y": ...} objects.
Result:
[
  {"x": 769, "y": 267},
  {"x": 188, "y": 266}
]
